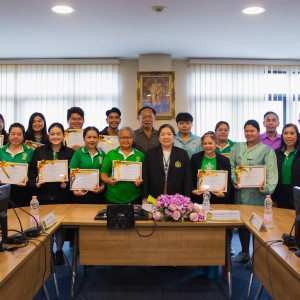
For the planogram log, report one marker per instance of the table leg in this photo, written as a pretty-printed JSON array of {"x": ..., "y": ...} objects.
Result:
[
  {"x": 228, "y": 261},
  {"x": 74, "y": 261}
]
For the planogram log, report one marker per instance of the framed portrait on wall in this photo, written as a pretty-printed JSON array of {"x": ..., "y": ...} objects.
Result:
[{"x": 156, "y": 89}]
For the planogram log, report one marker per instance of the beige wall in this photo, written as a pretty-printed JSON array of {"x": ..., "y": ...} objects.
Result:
[{"x": 128, "y": 91}]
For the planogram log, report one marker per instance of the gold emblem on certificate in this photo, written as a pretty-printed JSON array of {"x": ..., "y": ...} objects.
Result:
[
  {"x": 13, "y": 173},
  {"x": 251, "y": 176},
  {"x": 216, "y": 180},
  {"x": 84, "y": 179},
  {"x": 74, "y": 137},
  {"x": 107, "y": 143},
  {"x": 32, "y": 145},
  {"x": 53, "y": 170},
  {"x": 127, "y": 170}
]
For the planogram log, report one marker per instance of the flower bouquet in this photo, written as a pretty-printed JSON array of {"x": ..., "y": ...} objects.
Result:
[{"x": 177, "y": 208}]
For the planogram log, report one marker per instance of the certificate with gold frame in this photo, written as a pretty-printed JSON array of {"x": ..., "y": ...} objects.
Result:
[
  {"x": 13, "y": 173},
  {"x": 74, "y": 137},
  {"x": 84, "y": 179},
  {"x": 53, "y": 170},
  {"x": 108, "y": 142},
  {"x": 252, "y": 176},
  {"x": 216, "y": 180},
  {"x": 126, "y": 170},
  {"x": 33, "y": 145}
]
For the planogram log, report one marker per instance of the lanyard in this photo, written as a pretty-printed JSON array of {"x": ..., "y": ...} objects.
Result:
[{"x": 166, "y": 168}]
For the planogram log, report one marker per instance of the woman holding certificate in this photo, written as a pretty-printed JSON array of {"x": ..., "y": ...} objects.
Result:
[
  {"x": 166, "y": 168},
  {"x": 204, "y": 164},
  {"x": 85, "y": 170},
  {"x": 288, "y": 162},
  {"x": 37, "y": 129},
  {"x": 14, "y": 160},
  {"x": 121, "y": 171},
  {"x": 48, "y": 177},
  {"x": 254, "y": 175}
]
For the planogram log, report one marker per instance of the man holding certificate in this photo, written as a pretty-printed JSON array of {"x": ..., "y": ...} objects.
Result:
[
  {"x": 122, "y": 170},
  {"x": 254, "y": 174}
]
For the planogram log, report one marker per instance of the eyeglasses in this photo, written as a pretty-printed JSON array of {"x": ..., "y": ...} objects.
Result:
[{"x": 123, "y": 138}]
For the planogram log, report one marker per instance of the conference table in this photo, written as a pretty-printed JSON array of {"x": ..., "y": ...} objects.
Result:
[{"x": 151, "y": 244}]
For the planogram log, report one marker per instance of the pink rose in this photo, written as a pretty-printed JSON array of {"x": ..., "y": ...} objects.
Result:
[
  {"x": 198, "y": 207},
  {"x": 157, "y": 216},
  {"x": 176, "y": 215},
  {"x": 190, "y": 207},
  {"x": 194, "y": 217},
  {"x": 172, "y": 207}
]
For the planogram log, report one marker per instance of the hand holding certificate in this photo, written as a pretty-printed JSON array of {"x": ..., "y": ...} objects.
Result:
[
  {"x": 216, "y": 180},
  {"x": 107, "y": 143},
  {"x": 251, "y": 176},
  {"x": 53, "y": 170},
  {"x": 84, "y": 179},
  {"x": 13, "y": 173},
  {"x": 126, "y": 170}
]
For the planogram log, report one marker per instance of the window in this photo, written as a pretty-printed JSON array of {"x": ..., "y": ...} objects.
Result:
[{"x": 52, "y": 89}]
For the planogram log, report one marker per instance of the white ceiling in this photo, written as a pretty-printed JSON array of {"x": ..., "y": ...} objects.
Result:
[{"x": 127, "y": 28}]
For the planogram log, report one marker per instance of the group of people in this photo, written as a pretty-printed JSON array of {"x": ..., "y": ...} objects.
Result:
[{"x": 170, "y": 161}]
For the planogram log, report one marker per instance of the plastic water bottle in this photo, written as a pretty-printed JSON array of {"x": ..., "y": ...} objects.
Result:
[
  {"x": 34, "y": 211},
  {"x": 268, "y": 214},
  {"x": 206, "y": 200}
]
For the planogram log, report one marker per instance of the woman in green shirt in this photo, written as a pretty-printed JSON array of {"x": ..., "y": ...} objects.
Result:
[
  {"x": 224, "y": 144},
  {"x": 288, "y": 162},
  {"x": 15, "y": 151},
  {"x": 89, "y": 157}
]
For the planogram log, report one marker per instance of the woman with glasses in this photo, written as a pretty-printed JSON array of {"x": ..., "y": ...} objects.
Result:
[
  {"x": 120, "y": 191},
  {"x": 89, "y": 157}
]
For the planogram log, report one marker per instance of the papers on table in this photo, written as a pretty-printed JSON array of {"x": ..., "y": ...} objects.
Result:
[
  {"x": 33, "y": 145},
  {"x": 13, "y": 173},
  {"x": 84, "y": 179},
  {"x": 251, "y": 176},
  {"x": 74, "y": 137},
  {"x": 127, "y": 170},
  {"x": 53, "y": 170},
  {"x": 108, "y": 142},
  {"x": 216, "y": 180},
  {"x": 1, "y": 140}
]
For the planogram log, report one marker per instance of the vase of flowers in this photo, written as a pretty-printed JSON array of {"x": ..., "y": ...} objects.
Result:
[{"x": 177, "y": 208}]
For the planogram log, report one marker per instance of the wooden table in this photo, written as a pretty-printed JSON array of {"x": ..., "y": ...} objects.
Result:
[
  {"x": 171, "y": 244},
  {"x": 23, "y": 271},
  {"x": 277, "y": 268}
]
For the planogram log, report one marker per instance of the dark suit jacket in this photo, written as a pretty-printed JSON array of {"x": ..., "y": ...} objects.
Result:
[
  {"x": 223, "y": 163},
  {"x": 179, "y": 173},
  {"x": 286, "y": 200}
]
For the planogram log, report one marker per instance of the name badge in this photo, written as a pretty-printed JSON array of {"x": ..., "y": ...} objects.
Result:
[
  {"x": 257, "y": 222},
  {"x": 48, "y": 221}
]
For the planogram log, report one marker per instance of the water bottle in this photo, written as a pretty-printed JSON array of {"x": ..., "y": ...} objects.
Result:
[
  {"x": 206, "y": 200},
  {"x": 268, "y": 214},
  {"x": 34, "y": 212}
]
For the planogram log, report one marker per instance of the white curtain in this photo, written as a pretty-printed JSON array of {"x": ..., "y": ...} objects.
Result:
[
  {"x": 236, "y": 93},
  {"x": 52, "y": 89}
]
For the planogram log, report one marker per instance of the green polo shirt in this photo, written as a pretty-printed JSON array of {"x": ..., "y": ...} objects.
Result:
[
  {"x": 122, "y": 191},
  {"x": 226, "y": 150},
  {"x": 82, "y": 159},
  {"x": 287, "y": 167},
  {"x": 23, "y": 157}
]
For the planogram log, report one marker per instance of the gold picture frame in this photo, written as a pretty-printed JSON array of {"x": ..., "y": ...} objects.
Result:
[{"x": 156, "y": 89}]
